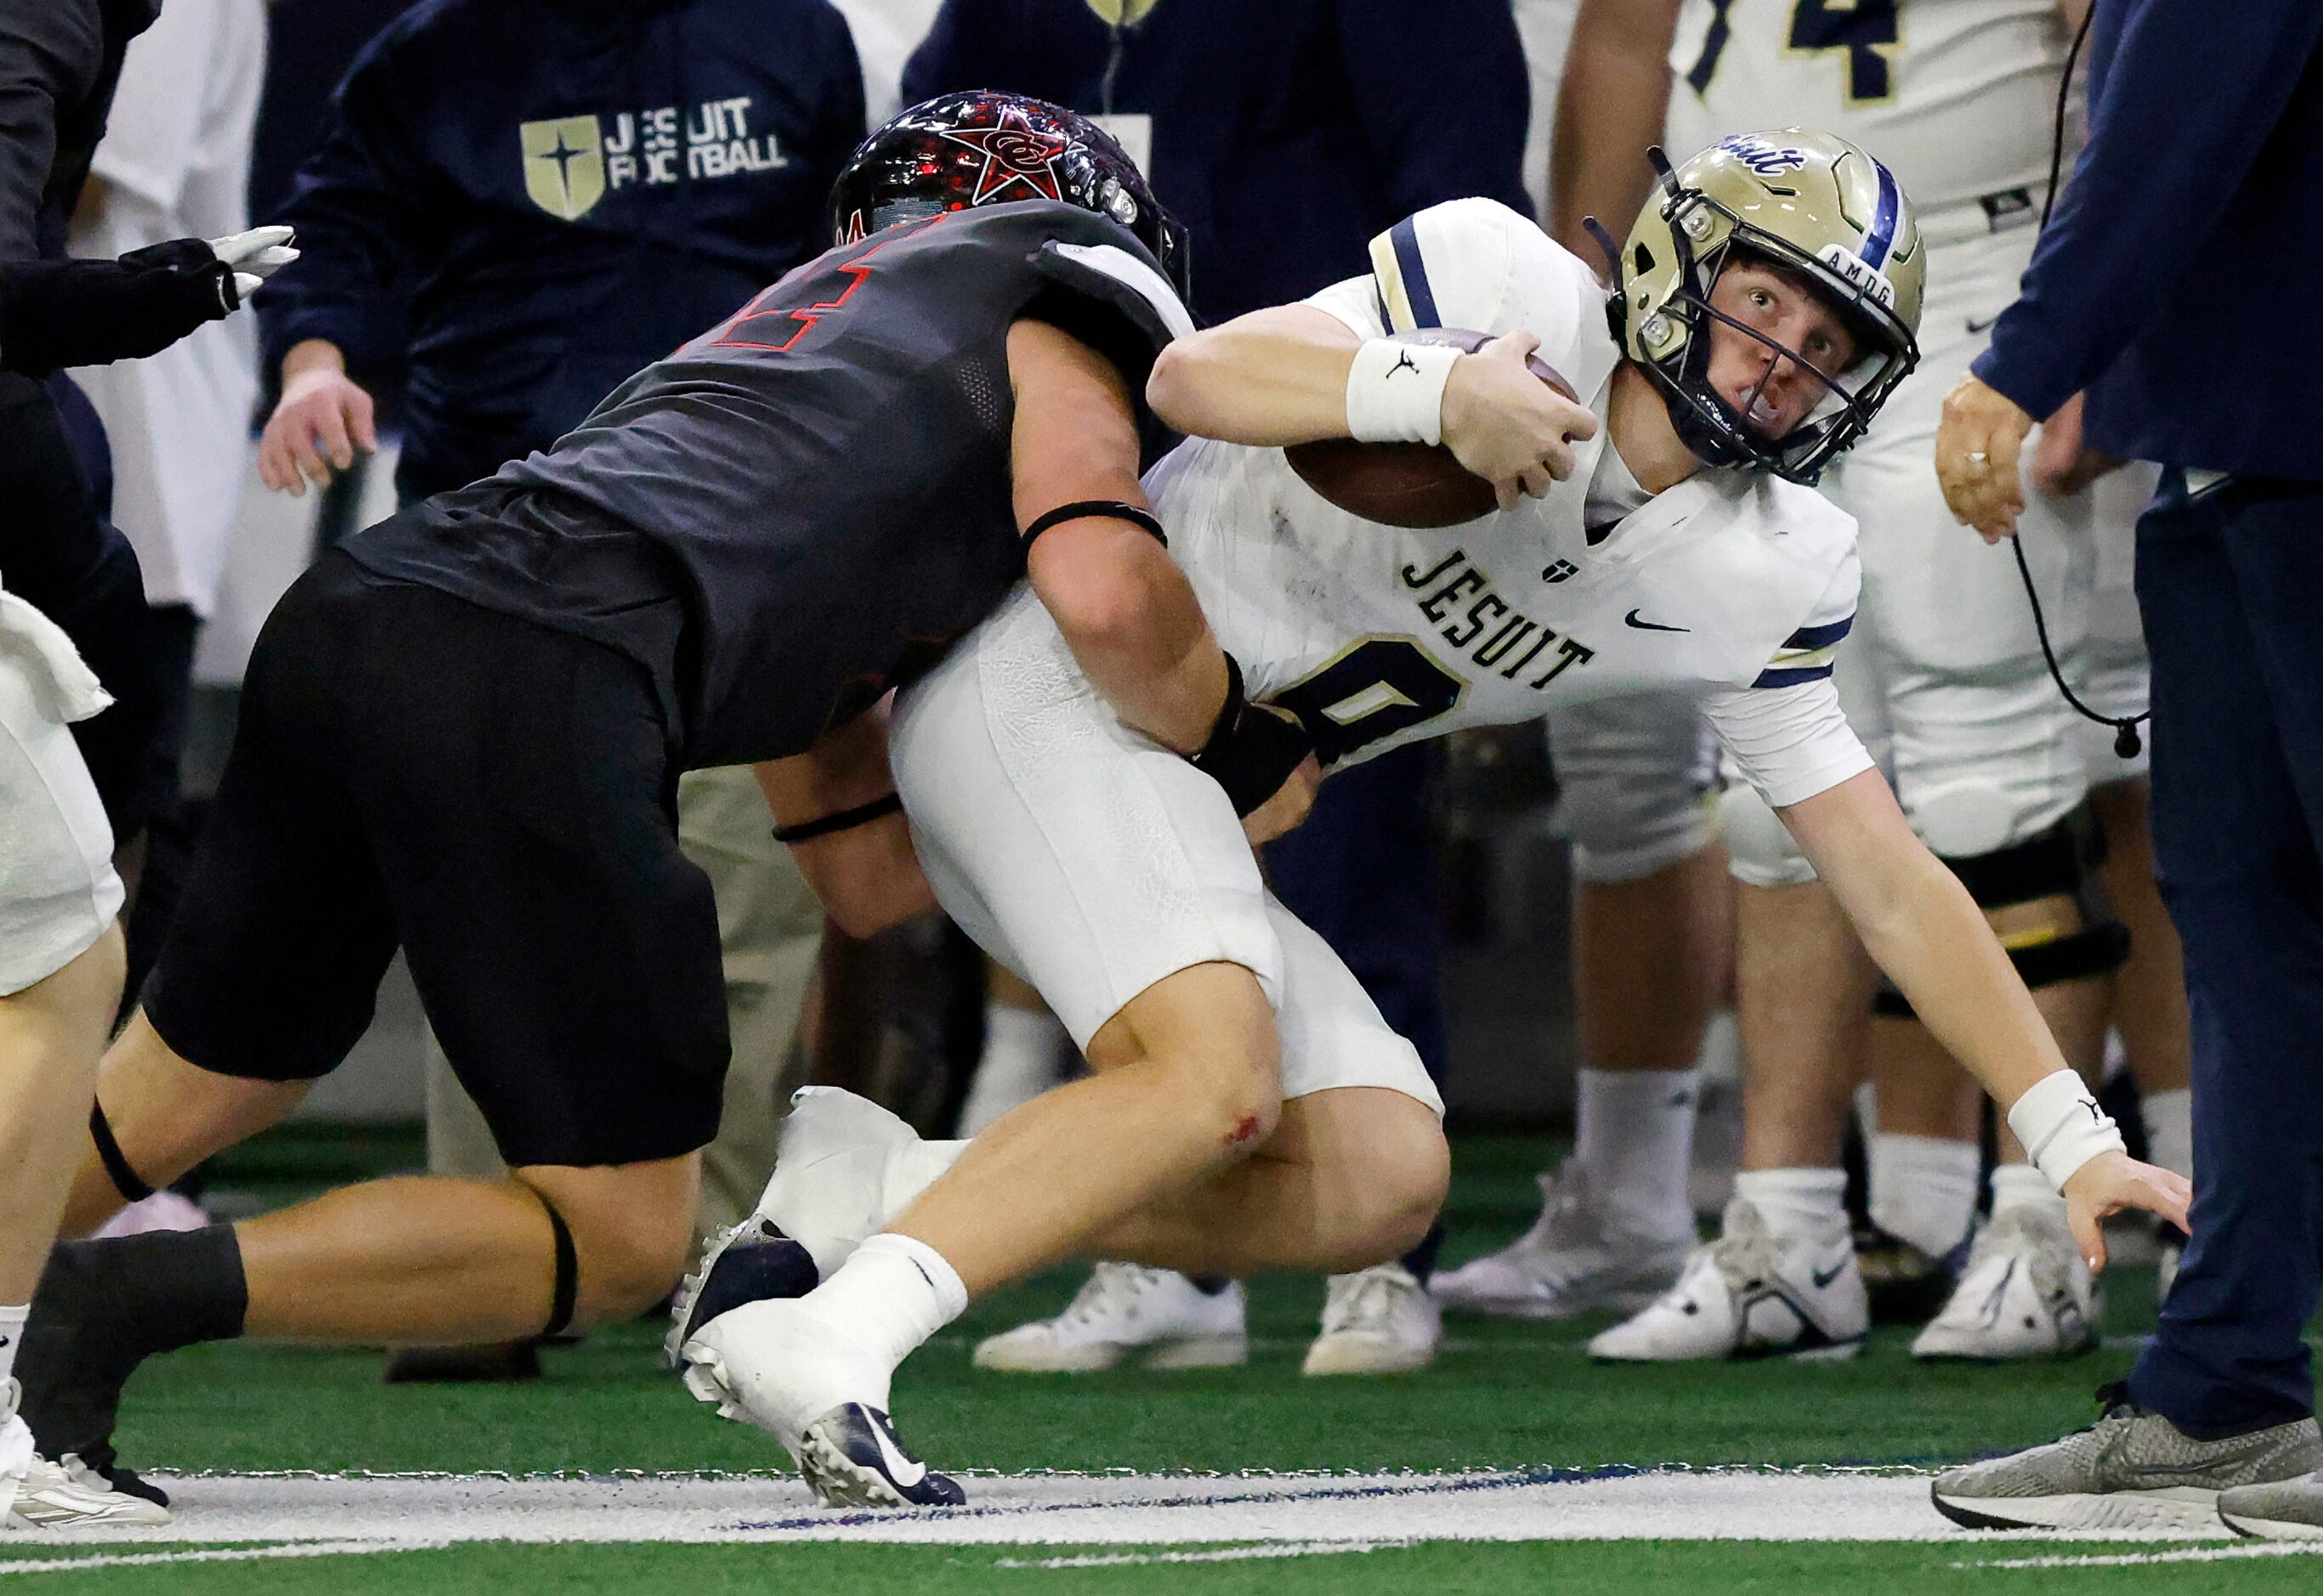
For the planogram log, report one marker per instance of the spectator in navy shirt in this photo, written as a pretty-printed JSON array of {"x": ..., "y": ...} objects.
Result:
[
  {"x": 2172, "y": 284},
  {"x": 559, "y": 191}
]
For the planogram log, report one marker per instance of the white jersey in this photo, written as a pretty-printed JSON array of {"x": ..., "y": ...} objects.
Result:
[
  {"x": 1733, "y": 583},
  {"x": 1955, "y": 96}
]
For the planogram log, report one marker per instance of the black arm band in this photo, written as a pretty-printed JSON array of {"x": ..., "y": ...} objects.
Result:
[
  {"x": 1252, "y": 750},
  {"x": 846, "y": 819},
  {"x": 1111, "y": 509}
]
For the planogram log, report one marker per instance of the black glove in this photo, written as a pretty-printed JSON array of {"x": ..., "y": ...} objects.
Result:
[
  {"x": 1253, "y": 748},
  {"x": 87, "y": 313}
]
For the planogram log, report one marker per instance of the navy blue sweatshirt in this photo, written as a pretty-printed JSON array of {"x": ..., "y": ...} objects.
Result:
[
  {"x": 525, "y": 201},
  {"x": 2170, "y": 282},
  {"x": 1286, "y": 132}
]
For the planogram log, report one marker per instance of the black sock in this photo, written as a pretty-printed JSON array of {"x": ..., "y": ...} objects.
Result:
[
  {"x": 1421, "y": 1259},
  {"x": 105, "y": 1307},
  {"x": 1210, "y": 1285}
]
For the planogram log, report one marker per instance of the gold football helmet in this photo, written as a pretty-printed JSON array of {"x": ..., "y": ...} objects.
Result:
[{"x": 1812, "y": 204}]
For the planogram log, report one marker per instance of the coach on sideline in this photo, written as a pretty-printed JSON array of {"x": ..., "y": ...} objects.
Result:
[{"x": 2167, "y": 285}]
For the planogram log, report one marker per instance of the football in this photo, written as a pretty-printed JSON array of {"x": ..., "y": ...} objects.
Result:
[{"x": 1407, "y": 484}]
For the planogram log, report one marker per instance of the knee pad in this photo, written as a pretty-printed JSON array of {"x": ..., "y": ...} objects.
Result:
[
  {"x": 1760, "y": 851},
  {"x": 125, "y": 1180},
  {"x": 1633, "y": 776}
]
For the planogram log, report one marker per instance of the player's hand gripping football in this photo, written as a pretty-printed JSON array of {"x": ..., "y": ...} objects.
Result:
[
  {"x": 1507, "y": 425},
  {"x": 2111, "y": 1182},
  {"x": 324, "y": 416}
]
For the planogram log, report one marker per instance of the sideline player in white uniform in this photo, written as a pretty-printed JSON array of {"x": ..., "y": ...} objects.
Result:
[
  {"x": 1249, "y": 1109},
  {"x": 1944, "y": 676},
  {"x": 61, "y": 960}
]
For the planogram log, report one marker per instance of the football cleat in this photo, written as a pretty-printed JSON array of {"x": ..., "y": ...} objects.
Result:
[
  {"x": 1124, "y": 1310},
  {"x": 2026, "y": 1293},
  {"x": 1751, "y": 1294},
  {"x": 828, "y": 1189},
  {"x": 2132, "y": 1470},
  {"x": 850, "y": 1458},
  {"x": 783, "y": 1367},
  {"x": 1572, "y": 1260},
  {"x": 751, "y": 1261},
  {"x": 1378, "y": 1321},
  {"x": 38, "y": 1494},
  {"x": 1907, "y": 1285}
]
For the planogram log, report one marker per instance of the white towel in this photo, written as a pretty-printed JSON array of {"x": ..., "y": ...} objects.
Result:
[{"x": 67, "y": 689}]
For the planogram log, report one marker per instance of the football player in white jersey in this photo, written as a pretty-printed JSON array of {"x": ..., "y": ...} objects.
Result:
[
  {"x": 1248, "y": 1108},
  {"x": 1944, "y": 676}
]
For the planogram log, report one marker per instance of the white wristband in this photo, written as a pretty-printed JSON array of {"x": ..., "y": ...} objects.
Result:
[
  {"x": 1395, "y": 391},
  {"x": 2061, "y": 1126}
]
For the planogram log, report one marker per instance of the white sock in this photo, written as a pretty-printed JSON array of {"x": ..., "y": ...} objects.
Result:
[
  {"x": 1924, "y": 1189},
  {"x": 890, "y": 1295},
  {"x": 2021, "y": 1186},
  {"x": 1023, "y": 1051},
  {"x": 909, "y": 1171},
  {"x": 1796, "y": 1202},
  {"x": 12, "y": 1336},
  {"x": 1634, "y": 1138},
  {"x": 2169, "y": 1119}
]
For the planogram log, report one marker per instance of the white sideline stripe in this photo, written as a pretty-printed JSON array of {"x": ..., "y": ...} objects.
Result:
[
  {"x": 2140, "y": 1559},
  {"x": 1223, "y": 1554},
  {"x": 232, "y": 1554},
  {"x": 1121, "y": 1511}
]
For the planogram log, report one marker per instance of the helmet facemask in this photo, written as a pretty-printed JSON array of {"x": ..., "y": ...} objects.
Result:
[
  {"x": 1706, "y": 422},
  {"x": 1818, "y": 212}
]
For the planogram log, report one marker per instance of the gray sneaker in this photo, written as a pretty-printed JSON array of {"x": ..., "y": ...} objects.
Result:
[
  {"x": 2132, "y": 1470},
  {"x": 2281, "y": 1510}
]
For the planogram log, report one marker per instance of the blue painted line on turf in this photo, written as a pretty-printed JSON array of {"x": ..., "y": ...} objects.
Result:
[{"x": 1462, "y": 1484}]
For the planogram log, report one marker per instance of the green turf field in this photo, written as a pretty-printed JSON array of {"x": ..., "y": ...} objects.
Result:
[{"x": 1503, "y": 1398}]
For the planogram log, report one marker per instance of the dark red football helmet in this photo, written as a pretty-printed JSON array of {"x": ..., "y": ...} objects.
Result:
[{"x": 984, "y": 148}]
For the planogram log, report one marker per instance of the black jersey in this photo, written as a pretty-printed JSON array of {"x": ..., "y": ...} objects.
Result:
[{"x": 803, "y": 507}]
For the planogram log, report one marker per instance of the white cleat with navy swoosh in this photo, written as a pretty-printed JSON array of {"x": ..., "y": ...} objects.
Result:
[
  {"x": 782, "y": 1366},
  {"x": 1752, "y": 1294}
]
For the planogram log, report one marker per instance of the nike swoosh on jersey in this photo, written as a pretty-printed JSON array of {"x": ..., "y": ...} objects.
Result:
[
  {"x": 1975, "y": 326},
  {"x": 1822, "y": 1278},
  {"x": 1651, "y": 626},
  {"x": 905, "y": 1471}
]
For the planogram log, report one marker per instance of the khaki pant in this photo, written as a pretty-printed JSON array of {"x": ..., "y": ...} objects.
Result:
[{"x": 771, "y": 928}]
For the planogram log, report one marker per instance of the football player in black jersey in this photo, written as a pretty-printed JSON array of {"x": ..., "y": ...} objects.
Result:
[{"x": 461, "y": 733}]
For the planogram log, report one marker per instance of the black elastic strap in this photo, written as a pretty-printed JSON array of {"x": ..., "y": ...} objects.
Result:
[
  {"x": 2046, "y": 865},
  {"x": 568, "y": 1272},
  {"x": 116, "y": 1163},
  {"x": 2077, "y": 956},
  {"x": 862, "y": 814},
  {"x": 1111, "y": 509}
]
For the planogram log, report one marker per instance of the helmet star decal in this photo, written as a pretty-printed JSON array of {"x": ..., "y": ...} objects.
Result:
[{"x": 1014, "y": 151}]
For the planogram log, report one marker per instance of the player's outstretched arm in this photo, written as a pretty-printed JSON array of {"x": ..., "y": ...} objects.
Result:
[
  {"x": 1920, "y": 926},
  {"x": 863, "y": 869},
  {"x": 1291, "y": 374}
]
